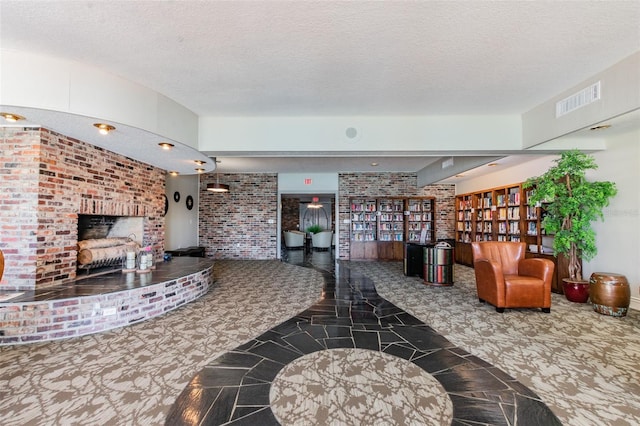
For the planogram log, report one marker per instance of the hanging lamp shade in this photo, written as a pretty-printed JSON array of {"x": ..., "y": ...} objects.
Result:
[{"x": 217, "y": 187}]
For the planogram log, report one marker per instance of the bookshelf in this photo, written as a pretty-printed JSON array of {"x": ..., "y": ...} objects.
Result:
[
  {"x": 380, "y": 227},
  {"x": 502, "y": 214}
]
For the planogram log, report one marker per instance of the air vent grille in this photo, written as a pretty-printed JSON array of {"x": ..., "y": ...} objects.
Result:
[{"x": 578, "y": 100}]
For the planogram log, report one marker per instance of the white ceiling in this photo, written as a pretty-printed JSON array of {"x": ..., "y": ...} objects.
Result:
[{"x": 334, "y": 58}]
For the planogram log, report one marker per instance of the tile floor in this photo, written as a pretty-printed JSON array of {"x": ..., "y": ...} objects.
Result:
[{"x": 316, "y": 368}]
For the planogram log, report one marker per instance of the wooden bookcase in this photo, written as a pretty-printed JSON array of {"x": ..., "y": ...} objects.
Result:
[
  {"x": 502, "y": 214},
  {"x": 381, "y": 226}
]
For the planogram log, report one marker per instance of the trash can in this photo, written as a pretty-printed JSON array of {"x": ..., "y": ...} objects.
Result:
[
  {"x": 438, "y": 264},
  {"x": 414, "y": 259}
]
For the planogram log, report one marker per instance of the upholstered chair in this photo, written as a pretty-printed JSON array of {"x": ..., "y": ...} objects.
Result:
[
  {"x": 293, "y": 239},
  {"x": 322, "y": 239},
  {"x": 505, "y": 279}
]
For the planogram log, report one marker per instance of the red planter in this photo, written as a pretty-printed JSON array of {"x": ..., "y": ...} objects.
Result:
[{"x": 576, "y": 291}]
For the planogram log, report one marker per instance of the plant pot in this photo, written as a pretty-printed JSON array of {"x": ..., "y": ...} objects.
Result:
[
  {"x": 610, "y": 293},
  {"x": 576, "y": 290}
]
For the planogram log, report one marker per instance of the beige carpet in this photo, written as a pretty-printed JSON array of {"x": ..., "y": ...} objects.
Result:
[{"x": 584, "y": 365}]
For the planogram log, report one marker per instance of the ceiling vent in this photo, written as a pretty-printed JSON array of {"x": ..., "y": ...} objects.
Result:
[{"x": 578, "y": 100}]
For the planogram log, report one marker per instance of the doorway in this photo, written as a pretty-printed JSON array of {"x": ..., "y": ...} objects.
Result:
[{"x": 300, "y": 212}]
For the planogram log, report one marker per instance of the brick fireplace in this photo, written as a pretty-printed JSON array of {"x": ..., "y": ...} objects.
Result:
[{"x": 46, "y": 181}]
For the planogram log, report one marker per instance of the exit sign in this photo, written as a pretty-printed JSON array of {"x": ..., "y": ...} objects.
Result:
[{"x": 307, "y": 181}]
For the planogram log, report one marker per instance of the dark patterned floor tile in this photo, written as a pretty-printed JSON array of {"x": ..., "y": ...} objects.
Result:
[
  {"x": 236, "y": 359},
  {"x": 266, "y": 371},
  {"x": 192, "y": 405},
  {"x": 222, "y": 408},
  {"x": 254, "y": 394},
  {"x": 366, "y": 340},
  {"x": 469, "y": 381},
  {"x": 400, "y": 351},
  {"x": 337, "y": 331},
  {"x": 478, "y": 411},
  {"x": 331, "y": 320},
  {"x": 275, "y": 352},
  {"x": 304, "y": 343},
  {"x": 421, "y": 337},
  {"x": 532, "y": 412},
  {"x": 440, "y": 360},
  {"x": 316, "y": 331},
  {"x": 263, "y": 417},
  {"x": 211, "y": 377},
  {"x": 339, "y": 342},
  {"x": 291, "y": 326}
]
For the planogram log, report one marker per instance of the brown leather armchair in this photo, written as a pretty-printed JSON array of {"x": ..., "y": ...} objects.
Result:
[{"x": 505, "y": 279}]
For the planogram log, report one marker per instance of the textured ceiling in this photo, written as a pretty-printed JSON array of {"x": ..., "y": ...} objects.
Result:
[{"x": 332, "y": 58}]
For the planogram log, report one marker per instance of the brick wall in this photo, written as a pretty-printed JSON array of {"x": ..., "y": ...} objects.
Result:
[
  {"x": 378, "y": 185},
  {"x": 235, "y": 225},
  {"x": 47, "y": 180},
  {"x": 290, "y": 219}
]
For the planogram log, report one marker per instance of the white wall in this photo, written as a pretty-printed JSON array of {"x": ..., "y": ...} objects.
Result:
[
  {"x": 181, "y": 224},
  {"x": 618, "y": 237}
]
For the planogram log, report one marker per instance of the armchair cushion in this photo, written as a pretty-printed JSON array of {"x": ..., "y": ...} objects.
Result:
[{"x": 506, "y": 279}]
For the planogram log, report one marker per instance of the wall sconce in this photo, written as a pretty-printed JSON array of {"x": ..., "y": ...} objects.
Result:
[
  {"x": 103, "y": 128},
  {"x": 11, "y": 118}
]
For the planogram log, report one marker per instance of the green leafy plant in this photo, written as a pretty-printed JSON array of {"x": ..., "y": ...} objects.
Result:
[
  {"x": 571, "y": 203},
  {"x": 314, "y": 229}
]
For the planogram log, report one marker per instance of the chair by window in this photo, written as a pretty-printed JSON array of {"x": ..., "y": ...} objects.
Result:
[
  {"x": 505, "y": 279},
  {"x": 322, "y": 239},
  {"x": 293, "y": 239}
]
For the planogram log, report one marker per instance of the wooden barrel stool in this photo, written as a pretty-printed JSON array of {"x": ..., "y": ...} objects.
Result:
[{"x": 610, "y": 293}]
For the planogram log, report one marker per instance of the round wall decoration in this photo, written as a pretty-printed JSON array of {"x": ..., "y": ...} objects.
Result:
[
  {"x": 176, "y": 196},
  {"x": 189, "y": 202},
  {"x": 166, "y": 204}
]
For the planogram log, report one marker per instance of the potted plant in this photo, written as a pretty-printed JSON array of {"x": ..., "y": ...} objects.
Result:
[
  {"x": 314, "y": 229},
  {"x": 571, "y": 204}
]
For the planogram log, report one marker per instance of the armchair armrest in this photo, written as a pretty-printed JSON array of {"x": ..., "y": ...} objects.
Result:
[
  {"x": 539, "y": 268},
  {"x": 490, "y": 281}
]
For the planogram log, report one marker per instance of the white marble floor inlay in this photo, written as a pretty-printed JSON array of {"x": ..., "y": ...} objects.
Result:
[{"x": 357, "y": 387}]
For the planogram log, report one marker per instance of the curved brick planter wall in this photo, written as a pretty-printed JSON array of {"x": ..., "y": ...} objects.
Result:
[{"x": 27, "y": 322}]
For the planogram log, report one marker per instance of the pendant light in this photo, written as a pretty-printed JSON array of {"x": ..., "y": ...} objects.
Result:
[{"x": 217, "y": 186}]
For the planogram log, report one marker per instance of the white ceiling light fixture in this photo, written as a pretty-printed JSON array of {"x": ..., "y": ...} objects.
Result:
[{"x": 217, "y": 187}]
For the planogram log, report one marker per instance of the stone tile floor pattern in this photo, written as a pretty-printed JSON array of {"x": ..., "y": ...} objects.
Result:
[{"x": 235, "y": 388}]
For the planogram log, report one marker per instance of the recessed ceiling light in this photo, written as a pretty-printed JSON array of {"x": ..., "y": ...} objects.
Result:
[
  {"x": 103, "y": 128},
  {"x": 492, "y": 164},
  {"x": 374, "y": 164},
  {"x": 199, "y": 162},
  {"x": 166, "y": 145},
  {"x": 12, "y": 118},
  {"x": 602, "y": 127},
  {"x": 174, "y": 173},
  {"x": 199, "y": 170}
]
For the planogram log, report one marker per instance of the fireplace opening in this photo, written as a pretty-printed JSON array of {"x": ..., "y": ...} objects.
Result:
[{"x": 103, "y": 242}]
